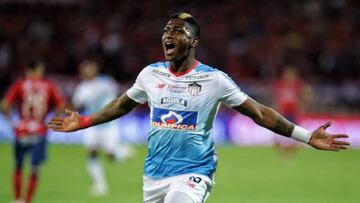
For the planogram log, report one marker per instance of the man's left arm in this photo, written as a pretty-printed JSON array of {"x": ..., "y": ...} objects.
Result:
[
  {"x": 10, "y": 97},
  {"x": 6, "y": 108},
  {"x": 272, "y": 120}
]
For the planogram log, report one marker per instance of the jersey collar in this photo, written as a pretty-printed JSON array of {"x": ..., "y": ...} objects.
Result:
[{"x": 184, "y": 72}]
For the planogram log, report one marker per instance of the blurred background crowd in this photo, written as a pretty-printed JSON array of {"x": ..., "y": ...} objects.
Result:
[{"x": 251, "y": 41}]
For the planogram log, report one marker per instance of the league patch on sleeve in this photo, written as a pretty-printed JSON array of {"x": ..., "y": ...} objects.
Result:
[{"x": 175, "y": 120}]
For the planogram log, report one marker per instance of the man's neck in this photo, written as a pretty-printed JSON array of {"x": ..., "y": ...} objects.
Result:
[
  {"x": 182, "y": 65},
  {"x": 33, "y": 76}
]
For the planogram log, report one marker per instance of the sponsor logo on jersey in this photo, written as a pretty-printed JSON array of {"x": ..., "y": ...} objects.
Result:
[
  {"x": 173, "y": 100},
  {"x": 197, "y": 77},
  {"x": 177, "y": 88},
  {"x": 173, "y": 119},
  {"x": 194, "y": 89},
  {"x": 161, "y": 73},
  {"x": 160, "y": 85}
]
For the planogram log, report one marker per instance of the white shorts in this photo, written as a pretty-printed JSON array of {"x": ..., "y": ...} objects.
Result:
[
  {"x": 197, "y": 187},
  {"x": 106, "y": 138}
]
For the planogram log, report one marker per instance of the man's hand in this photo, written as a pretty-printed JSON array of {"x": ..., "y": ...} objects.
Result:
[
  {"x": 320, "y": 139},
  {"x": 67, "y": 124}
]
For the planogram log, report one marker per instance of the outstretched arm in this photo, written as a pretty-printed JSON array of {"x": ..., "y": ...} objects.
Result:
[
  {"x": 6, "y": 108},
  {"x": 270, "y": 119},
  {"x": 115, "y": 109}
]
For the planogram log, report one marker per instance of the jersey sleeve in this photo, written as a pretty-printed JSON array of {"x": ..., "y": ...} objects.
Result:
[
  {"x": 78, "y": 98},
  {"x": 229, "y": 93},
  {"x": 138, "y": 92},
  {"x": 56, "y": 95},
  {"x": 113, "y": 90},
  {"x": 13, "y": 92}
]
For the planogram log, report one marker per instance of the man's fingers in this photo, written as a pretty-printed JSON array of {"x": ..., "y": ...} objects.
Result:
[
  {"x": 56, "y": 120},
  {"x": 56, "y": 127},
  {"x": 335, "y": 147},
  {"x": 55, "y": 124},
  {"x": 338, "y": 146},
  {"x": 340, "y": 142},
  {"x": 58, "y": 130},
  {"x": 69, "y": 112},
  {"x": 340, "y": 136},
  {"x": 326, "y": 125}
]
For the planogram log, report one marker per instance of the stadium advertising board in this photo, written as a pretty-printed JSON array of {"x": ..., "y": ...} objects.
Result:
[{"x": 228, "y": 128}]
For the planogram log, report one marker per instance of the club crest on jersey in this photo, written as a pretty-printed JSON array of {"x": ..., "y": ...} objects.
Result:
[
  {"x": 173, "y": 119},
  {"x": 194, "y": 89},
  {"x": 173, "y": 100}
]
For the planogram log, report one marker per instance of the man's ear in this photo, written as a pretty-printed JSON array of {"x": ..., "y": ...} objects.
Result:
[{"x": 194, "y": 42}]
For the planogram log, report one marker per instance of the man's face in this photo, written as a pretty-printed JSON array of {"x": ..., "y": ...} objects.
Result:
[
  {"x": 88, "y": 71},
  {"x": 177, "y": 40},
  {"x": 37, "y": 72},
  {"x": 40, "y": 70}
]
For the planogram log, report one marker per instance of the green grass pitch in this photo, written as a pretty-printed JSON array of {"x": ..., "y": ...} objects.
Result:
[{"x": 245, "y": 175}]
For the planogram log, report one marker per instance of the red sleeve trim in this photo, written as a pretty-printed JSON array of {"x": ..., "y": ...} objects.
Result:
[{"x": 85, "y": 121}]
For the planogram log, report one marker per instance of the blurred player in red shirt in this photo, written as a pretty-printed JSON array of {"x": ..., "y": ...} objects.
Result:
[
  {"x": 290, "y": 96},
  {"x": 33, "y": 96}
]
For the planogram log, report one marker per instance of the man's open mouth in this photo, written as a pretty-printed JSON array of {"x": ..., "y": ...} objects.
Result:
[{"x": 169, "y": 47}]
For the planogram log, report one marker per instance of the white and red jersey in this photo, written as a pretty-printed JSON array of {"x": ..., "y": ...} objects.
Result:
[
  {"x": 33, "y": 98},
  {"x": 288, "y": 96}
]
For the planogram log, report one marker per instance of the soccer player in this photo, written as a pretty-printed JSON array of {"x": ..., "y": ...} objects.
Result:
[
  {"x": 90, "y": 95},
  {"x": 290, "y": 95},
  {"x": 34, "y": 97},
  {"x": 184, "y": 95}
]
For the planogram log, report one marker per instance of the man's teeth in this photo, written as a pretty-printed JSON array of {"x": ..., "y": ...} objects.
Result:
[{"x": 170, "y": 48}]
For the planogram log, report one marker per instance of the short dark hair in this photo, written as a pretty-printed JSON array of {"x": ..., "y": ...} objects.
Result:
[
  {"x": 189, "y": 19},
  {"x": 34, "y": 63}
]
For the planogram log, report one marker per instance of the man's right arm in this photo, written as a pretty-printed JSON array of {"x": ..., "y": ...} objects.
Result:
[
  {"x": 10, "y": 97},
  {"x": 115, "y": 109}
]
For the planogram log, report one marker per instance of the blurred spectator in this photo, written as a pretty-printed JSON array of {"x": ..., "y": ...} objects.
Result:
[{"x": 252, "y": 40}]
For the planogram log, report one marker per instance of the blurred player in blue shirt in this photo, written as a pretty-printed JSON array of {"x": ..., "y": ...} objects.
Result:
[{"x": 93, "y": 92}]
